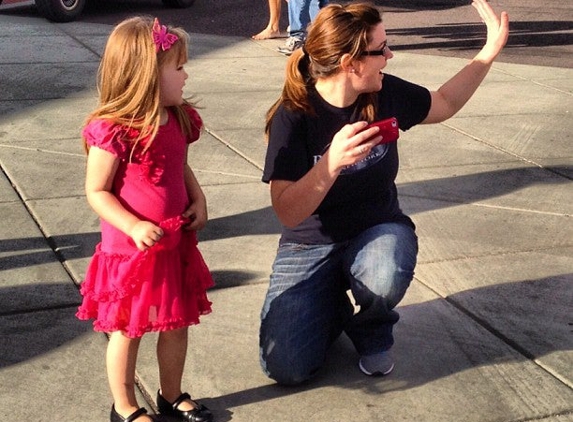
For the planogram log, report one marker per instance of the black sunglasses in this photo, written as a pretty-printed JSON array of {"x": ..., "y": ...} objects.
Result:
[{"x": 381, "y": 52}]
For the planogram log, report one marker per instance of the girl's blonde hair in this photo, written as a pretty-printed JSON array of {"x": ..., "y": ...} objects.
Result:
[
  {"x": 128, "y": 78},
  {"x": 337, "y": 30}
]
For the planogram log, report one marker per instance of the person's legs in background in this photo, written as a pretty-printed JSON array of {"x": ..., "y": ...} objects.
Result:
[
  {"x": 300, "y": 14},
  {"x": 273, "y": 27},
  {"x": 298, "y": 18},
  {"x": 315, "y": 7}
]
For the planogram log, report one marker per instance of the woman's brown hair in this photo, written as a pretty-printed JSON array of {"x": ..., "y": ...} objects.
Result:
[{"x": 336, "y": 30}]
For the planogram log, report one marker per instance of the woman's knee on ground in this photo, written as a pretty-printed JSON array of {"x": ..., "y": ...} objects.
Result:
[
  {"x": 288, "y": 357},
  {"x": 287, "y": 371}
]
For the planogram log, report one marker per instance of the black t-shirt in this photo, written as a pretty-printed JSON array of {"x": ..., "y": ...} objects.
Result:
[{"x": 364, "y": 194}]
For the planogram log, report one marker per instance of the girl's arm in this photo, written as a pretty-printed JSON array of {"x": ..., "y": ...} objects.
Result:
[
  {"x": 197, "y": 210},
  {"x": 100, "y": 172},
  {"x": 454, "y": 94}
]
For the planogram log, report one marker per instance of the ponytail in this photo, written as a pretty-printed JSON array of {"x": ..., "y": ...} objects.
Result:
[
  {"x": 294, "y": 95},
  {"x": 337, "y": 30}
]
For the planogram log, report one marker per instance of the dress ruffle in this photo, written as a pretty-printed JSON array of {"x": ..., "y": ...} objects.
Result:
[{"x": 162, "y": 288}]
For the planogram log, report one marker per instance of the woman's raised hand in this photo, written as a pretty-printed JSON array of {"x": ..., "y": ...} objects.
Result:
[{"x": 497, "y": 30}]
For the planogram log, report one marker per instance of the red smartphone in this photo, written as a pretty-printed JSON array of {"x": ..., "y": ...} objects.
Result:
[{"x": 388, "y": 130}]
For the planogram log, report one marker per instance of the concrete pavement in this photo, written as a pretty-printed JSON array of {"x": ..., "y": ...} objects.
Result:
[{"x": 487, "y": 327}]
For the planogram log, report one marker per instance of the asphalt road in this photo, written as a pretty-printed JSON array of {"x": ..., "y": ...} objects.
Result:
[{"x": 541, "y": 31}]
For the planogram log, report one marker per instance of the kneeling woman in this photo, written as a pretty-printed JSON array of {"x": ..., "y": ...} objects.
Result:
[{"x": 333, "y": 189}]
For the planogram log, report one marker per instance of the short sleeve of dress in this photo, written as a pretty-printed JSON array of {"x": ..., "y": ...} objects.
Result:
[
  {"x": 107, "y": 136},
  {"x": 196, "y": 124}
]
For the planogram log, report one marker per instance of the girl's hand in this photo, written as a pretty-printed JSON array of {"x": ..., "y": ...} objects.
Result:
[
  {"x": 197, "y": 210},
  {"x": 197, "y": 213},
  {"x": 497, "y": 30},
  {"x": 145, "y": 234},
  {"x": 349, "y": 145}
]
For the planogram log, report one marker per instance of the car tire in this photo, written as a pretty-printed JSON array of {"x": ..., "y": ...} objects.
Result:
[
  {"x": 180, "y": 4},
  {"x": 60, "y": 10}
]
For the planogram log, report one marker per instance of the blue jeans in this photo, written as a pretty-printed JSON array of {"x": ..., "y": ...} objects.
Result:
[
  {"x": 307, "y": 307},
  {"x": 301, "y": 13}
]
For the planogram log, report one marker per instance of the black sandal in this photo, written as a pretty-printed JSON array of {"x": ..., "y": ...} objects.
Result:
[
  {"x": 199, "y": 414},
  {"x": 116, "y": 417}
]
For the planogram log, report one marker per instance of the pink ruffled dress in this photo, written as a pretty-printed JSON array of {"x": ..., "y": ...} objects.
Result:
[{"x": 164, "y": 287}]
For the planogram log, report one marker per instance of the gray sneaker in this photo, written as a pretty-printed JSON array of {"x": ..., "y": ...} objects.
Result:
[
  {"x": 291, "y": 44},
  {"x": 377, "y": 365}
]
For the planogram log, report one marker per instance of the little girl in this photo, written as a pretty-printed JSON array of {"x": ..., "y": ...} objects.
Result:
[{"x": 147, "y": 273}]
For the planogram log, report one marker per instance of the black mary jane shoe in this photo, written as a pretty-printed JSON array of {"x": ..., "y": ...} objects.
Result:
[
  {"x": 116, "y": 417},
  {"x": 199, "y": 414}
]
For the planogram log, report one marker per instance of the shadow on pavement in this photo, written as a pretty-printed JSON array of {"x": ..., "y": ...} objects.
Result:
[
  {"x": 482, "y": 186},
  {"x": 454, "y": 190},
  {"x": 417, "y": 5},
  {"x": 28, "y": 333},
  {"x": 435, "y": 345},
  {"x": 422, "y": 32},
  {"x": 470, "y": 36}
]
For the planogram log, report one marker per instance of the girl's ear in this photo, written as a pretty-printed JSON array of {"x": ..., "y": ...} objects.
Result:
[{"x": 347, "y": 63}]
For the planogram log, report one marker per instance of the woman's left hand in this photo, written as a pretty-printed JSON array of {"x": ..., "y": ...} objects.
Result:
[{"x": 497, "y": 30}]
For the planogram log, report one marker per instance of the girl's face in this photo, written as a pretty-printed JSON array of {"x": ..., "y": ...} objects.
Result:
[
  {"x": 172, "y": 77},
  {"x": 370, "y": 67}
]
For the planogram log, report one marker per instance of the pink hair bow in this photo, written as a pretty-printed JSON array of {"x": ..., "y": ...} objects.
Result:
[{"x": 163, "y": 40}]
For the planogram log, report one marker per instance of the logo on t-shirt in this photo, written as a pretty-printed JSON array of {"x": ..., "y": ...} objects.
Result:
[{"x": 376, "y": 154}]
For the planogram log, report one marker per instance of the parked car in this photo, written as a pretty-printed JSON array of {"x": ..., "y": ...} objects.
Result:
[{"x": 68, "y": 10}]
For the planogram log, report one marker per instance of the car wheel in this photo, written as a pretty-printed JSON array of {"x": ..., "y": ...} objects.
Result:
[
  {"x": 60, "y": 10},
  {"x": 178, "y": 3}
]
